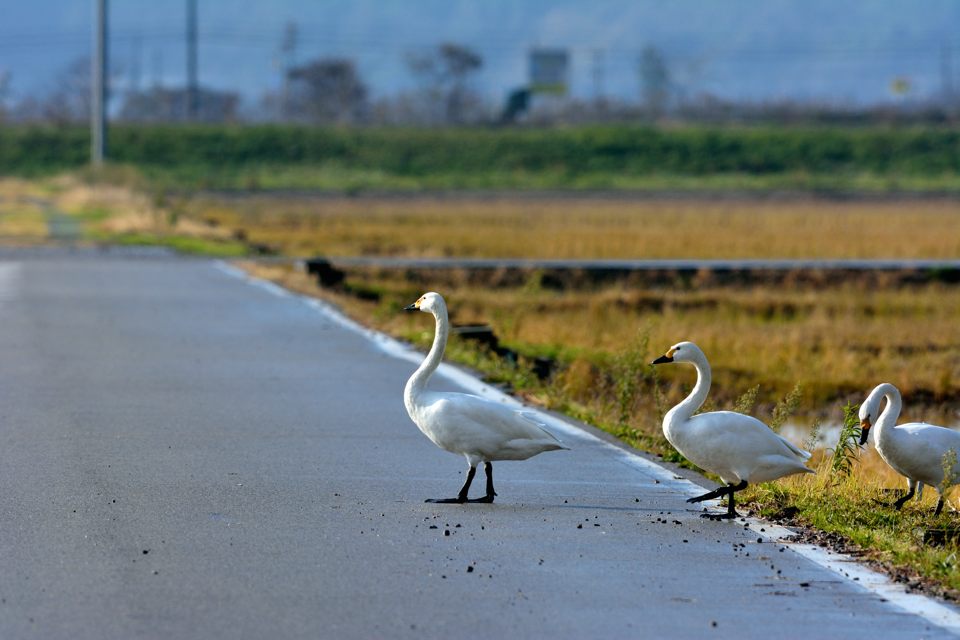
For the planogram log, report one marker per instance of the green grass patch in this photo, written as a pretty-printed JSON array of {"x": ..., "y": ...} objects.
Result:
[
  {"x": 856, "y": 508},
  {"x": 183, "y": 244},
  {"x": 269, "y": 157}
]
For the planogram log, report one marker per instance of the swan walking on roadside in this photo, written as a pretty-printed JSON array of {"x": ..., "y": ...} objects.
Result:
[
  {"x": 738, "y": 448},
  {"x": 480, "y": 430},
  {"x": 918, "y": 451}
]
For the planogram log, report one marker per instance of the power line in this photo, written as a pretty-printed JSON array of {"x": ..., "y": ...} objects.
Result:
[
  {"x": 385, "y": 42},
  {"x": 192, "y": 59}
]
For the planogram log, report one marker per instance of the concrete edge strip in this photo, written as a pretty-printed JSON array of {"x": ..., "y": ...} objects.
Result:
[{"x": 845, "y": 566}]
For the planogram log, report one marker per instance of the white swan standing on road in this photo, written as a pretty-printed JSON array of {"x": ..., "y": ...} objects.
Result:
[
  {"x": 480, "y": 430},
  {"x": 738, "y": 448},
  {"x": 917, "y": 450}
]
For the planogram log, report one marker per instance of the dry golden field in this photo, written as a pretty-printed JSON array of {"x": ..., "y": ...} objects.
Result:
[{"x": 583, "y": 228}]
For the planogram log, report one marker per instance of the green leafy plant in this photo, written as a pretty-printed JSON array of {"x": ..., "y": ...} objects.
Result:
[
  {"x": 947, "y": 463},
  {"x": 630, "y": 370},
  {"x": 747, "y": 401},
  {"x": 810, "y": 443},
  {"x": 848, "y": 448},
  {"x": 786, "y": 407}
]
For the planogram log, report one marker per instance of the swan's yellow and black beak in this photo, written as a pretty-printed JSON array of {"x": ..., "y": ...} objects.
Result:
[
  {"x": 864, "y": 430},
  {"x": 412, "y": 307},
  {"x": 667, "y": 357}
]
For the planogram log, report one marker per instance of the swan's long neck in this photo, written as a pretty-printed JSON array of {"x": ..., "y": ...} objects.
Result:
[
  {"x": 418, "y": 381},
  {"x": 888, "y": 417},
  {"x": 685, "y": 410}
]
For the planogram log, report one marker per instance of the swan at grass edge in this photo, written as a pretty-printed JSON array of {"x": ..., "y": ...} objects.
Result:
[
  {"x": 480, "y": 430},
  {"x": 916, "y": 450},
  {"x": 738, "y": 448}
]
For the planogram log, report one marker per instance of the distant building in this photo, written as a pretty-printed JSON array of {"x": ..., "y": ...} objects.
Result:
[
  {"x": 549, "y": 71},
  {"x": 548, "y": 77},
  {"x": 161, "y": 104}
]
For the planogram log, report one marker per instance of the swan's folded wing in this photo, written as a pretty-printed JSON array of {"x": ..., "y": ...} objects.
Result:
[
  {"x": 472, "y": 423},
  {"x": 733, "y": 433},
  {"x": 930, "y": 443}
]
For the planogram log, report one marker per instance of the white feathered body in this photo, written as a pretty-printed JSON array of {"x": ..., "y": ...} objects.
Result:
[
  {"x": 734, "y": 446},
  {"x": 478, "y": 428},
  {"x": 482, "y": 430},
  {"x": 917, "y": 450}
]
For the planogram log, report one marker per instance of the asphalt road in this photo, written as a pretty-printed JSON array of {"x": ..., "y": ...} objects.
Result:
[{"x": 184, "y": 455}]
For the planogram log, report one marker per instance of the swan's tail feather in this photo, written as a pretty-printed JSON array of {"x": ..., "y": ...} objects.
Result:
[
  {"x": 532, "y": 418},
  {"x": 806, "y": 455}
]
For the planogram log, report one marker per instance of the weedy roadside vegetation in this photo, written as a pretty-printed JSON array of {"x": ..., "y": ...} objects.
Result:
[{"x": 846, "y": 453}]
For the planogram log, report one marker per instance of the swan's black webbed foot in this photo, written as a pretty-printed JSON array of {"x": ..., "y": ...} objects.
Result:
[
  {"x": 716, "y": 517},
  {"x": 898, "y": 504},
  {"x": 710, "y": 495},
  {"x": 728, "y": 491},
  {"x": 457, "y": 500},
  {"x": 462, "y": 495}
]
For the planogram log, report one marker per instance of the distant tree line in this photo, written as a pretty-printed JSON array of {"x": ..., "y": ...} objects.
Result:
[
  {"x": 330, "y": 91},
  {"x": 324, "y": 91}
]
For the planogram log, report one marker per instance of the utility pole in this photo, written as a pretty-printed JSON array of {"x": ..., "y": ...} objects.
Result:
[
  {"x": 192, "y": 93},
  {"x": 157, "y": 62},
  {"x": 288, "y": 51},
  {"x": 599, "y": 90},
  {"x": 98, "y": 86},
  {"x": 946, "y": 73},
  {"x": 136, "y": 67}
]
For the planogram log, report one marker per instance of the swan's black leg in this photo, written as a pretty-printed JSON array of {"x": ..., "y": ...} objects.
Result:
[
  {"x": 939, "y": 506},
  {"x": 462, "y": 496},
  {"x": 488, "y": 469},
  {"x": 731, "y": 504},
  {"x": 901, "y": 501},
  {"x": 731, "y": 513}
]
